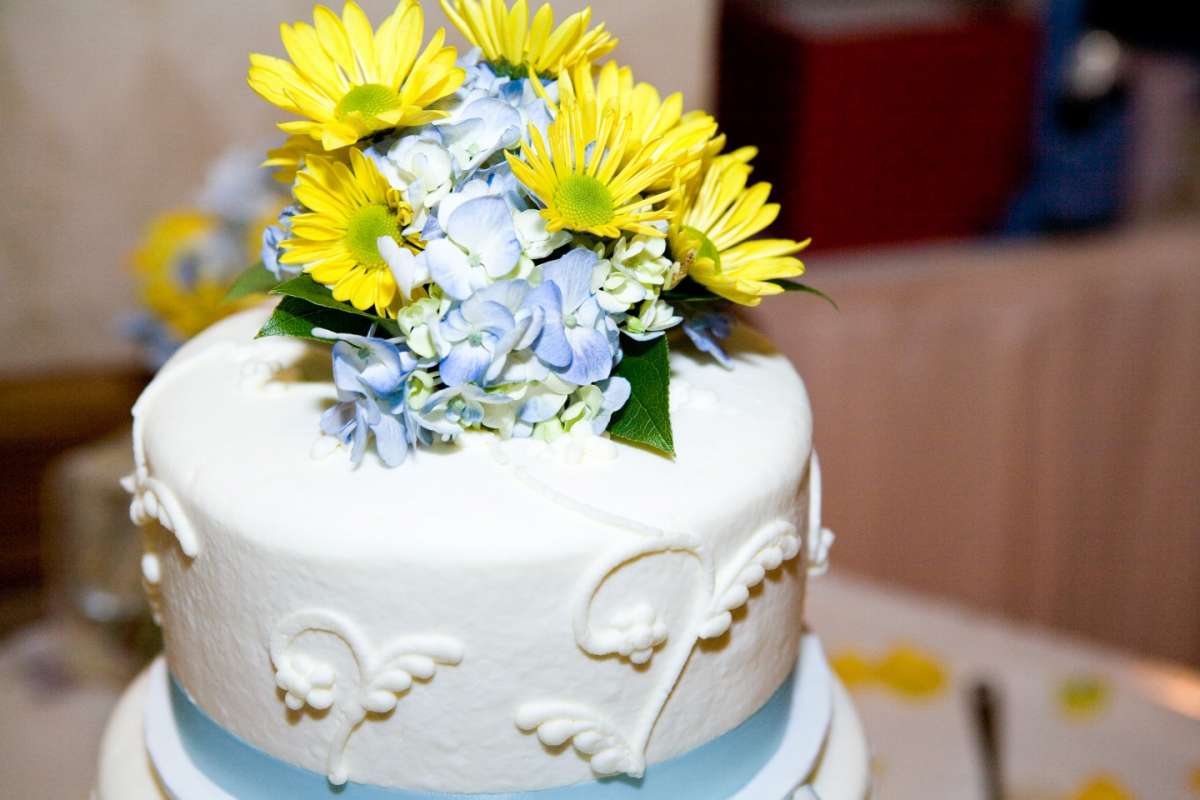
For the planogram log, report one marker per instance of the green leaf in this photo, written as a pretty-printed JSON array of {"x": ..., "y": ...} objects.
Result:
[
  {"x": 793, "y": 286},
  {"x": 689, "y": 292},
  {"x": 297, "y": 318},
  {"x": 692, "y": 293},
  {"x": 646, "y": 418},
  {"x": 255, "y": 280},
  {"x": 303, "y": 287}
]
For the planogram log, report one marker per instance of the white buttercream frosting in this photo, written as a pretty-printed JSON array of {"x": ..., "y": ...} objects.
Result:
[{"x": 451, "y": 624}]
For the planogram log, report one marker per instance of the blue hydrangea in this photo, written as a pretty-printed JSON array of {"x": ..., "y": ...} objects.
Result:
[
  {"x": 505, "y": 325},
  {"x": 273, "y": 236},
  {"x": 578, "y": 340},
  {"x": 483, "y": 330},
  {"x": 706, "y": 330},
  {"x": 372, "y": 380}
]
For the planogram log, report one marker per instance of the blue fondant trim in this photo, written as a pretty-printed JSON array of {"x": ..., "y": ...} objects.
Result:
[{"x": 713, "y": 771}]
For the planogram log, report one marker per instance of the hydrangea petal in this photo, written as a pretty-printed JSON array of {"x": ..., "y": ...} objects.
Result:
[
  {"x": 449, "y": 268},
  {"x": 390, "y": 441},
  {"x": 591, "y": 356},
  {"x": 484, "y": 227},
  {"x": 465, "y": 363},
  {"x": 573, "y": 275},
  {"x": 409, "y": 270}
]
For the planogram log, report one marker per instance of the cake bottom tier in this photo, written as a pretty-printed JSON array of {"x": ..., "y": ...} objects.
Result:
[{"x": 841, "y": 770}]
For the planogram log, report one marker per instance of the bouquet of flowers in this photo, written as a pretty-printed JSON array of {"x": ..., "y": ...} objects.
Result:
[
  {"x": 499, "y": 241},
  {"x": 189, "y": 258}
]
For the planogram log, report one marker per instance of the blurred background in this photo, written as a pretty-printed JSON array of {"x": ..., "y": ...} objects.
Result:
[{"x": 1004, "y": 200}]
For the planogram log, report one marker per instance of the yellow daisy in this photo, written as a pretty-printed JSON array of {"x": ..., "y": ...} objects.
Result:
[
  {"x": 513, "y": 44},
  {"x": 349, "y": 82},
  {"x": 712, "y": 223},
  {"x": 657, "y": 124},
  {"x": 186, "y": 303},
  {"x": 350, "y": 209},
  {"x": 585, "y": 182},
  {"x": 287, "y": 159}
]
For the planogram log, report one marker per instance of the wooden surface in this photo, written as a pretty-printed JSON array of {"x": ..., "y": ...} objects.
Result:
[
  {"x": 1015, "y": 426},
  {"x": 40, "y": 417}
]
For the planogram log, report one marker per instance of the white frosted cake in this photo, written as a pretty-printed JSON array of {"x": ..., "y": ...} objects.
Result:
[
  {"x": 571, "y": 611},
  {"x": 497, "y": 501}
]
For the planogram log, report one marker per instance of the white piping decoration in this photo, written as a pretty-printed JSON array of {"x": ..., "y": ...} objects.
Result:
[
  {"x": 635, "y": 633},
  {"x": 818, "y": 539},
  {"x": 770, "y": 546},
  {"x": 592, "y": 737},
  {"x": 153, "y": 501},
  {"x": 382, "y": 676}
]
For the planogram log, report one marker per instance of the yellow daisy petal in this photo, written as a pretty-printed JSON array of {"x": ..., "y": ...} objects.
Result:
[
  {"x": 350, "y": 208},
  {"x": 715, "y": 215},
  {"x": 349, "y": 82},
  {"x": 514, "y": 44}
]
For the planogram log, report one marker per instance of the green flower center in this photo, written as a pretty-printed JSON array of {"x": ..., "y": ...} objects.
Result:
[
  {"x": 365, "y": 227},
  {"x": 706, "y": 248},
  {"x": 584, "y": 202},
  {"x": 369, "y": 99},
  {"x": 506, "y": 69}
]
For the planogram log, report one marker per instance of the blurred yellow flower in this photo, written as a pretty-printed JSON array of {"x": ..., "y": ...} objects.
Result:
[
  {"x": 336, "y": 241},
  {"x": 904, "y": 670},
  {"x": 853, "y": 669},
  {"x": 1082, "y": 697},
  {"x": 1102, "y": 787},
  {"x": 349, "y": 82},
  {"x": 911, "y": 673},
  {"x": 711, "y": 229},
  {"x": 584, "y": 180},
  {"x": 173, "y": 285},
  {"x": 513, "y": 44}
]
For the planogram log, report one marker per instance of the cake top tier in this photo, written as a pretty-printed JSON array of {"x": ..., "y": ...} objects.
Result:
[{"x": 227, "y": 424}]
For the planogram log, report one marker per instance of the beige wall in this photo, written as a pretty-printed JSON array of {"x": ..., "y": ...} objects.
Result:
[{"x": 110, "y": 110}]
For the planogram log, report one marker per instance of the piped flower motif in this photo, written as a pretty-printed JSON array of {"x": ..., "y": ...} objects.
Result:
[
  {"x": 642, "y": 631},
  {"x": 305, "y": 681}
]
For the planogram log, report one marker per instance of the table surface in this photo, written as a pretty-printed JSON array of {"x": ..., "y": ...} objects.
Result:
[{"x": 1080, "y": 722}]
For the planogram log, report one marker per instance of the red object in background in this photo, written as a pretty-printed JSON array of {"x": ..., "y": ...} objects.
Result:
[{"x": 875, "y": 130}]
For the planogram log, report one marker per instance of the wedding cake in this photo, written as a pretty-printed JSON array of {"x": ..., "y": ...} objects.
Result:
[{"x": 538, "y": 524}]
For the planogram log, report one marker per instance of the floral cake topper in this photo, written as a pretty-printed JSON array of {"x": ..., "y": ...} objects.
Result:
[{"x": 499, "y": 241}]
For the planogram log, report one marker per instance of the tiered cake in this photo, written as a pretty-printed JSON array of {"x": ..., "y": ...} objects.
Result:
[
  {"x": 494, "y": 617},
  {"x": 501, "y": 540}
]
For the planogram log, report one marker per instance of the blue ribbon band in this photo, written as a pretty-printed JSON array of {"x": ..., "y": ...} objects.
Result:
[{"x": 713, "y": 771}]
